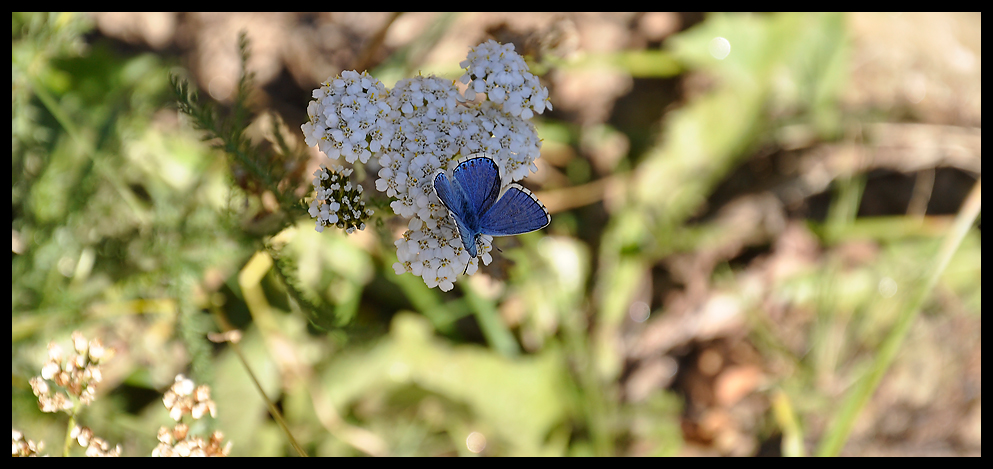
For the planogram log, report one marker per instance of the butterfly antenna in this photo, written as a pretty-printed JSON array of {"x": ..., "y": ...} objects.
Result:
[{"x": 466, "y": 267}]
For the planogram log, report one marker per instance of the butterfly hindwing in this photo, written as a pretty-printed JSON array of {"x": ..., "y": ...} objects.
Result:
[
  {"x": 517, "y": 211},
  {"x": 468, "y": 237},
  {"x": 449, "y": 194},
  {"x": 453, "y": 197}
]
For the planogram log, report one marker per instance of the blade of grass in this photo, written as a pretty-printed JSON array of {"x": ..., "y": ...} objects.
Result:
[
  {"x": 789, "y": 424},
  {"x": 837, "y": 434}
]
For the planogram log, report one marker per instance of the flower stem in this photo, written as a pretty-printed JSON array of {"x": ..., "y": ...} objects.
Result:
[
  {"x": 226, "y": 326},
  {"x": 72, "y": 424}
]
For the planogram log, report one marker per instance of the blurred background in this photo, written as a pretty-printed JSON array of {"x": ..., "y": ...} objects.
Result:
[{"x": 745, "y": 211}]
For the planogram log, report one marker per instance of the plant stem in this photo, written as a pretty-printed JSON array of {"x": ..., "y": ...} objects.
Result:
[
  {"x": 276, "y": 415},
  {"x": 72, "y": 424},
  {"x": 272, "y": 407}
]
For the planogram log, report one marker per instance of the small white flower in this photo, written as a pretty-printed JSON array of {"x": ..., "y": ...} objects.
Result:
[
  {"x": 183, "y": 386},
  {"x": 50, "y": 369}
]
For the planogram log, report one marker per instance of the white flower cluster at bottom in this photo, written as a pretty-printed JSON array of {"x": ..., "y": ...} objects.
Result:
[{"x": 437, "y": 255}]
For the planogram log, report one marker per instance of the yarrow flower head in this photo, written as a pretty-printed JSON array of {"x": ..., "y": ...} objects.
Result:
[
  {"x": 498, "y": 71},
  {"x": 70, "y": 380},
  {"x": 420, "y": 127},
  {"x": 337, "y": 202},
  {"x": 186, "y": 398},
  {"x": 95, "y": 446},
  {"x": 178, "y": 443},
  {"x": 23, "y": 447},
  {"x": 348, "y": 117}
]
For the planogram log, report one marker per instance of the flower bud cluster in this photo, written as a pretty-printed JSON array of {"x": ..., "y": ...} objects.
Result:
[
  {"x": 69, "y": 380},
  {"x": 178, "y": 443},
  {"x": 186, "y": 398},
  {"x": 23, "y": 447},
  {"x": 337, "y": 202},
  {"x": 183, "y": 398},
  {"x": 420, "y": 127},
  {"x": 95, "y": 446}
]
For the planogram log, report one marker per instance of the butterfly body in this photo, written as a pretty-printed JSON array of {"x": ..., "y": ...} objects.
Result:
[{"x": 474, "y": 199}]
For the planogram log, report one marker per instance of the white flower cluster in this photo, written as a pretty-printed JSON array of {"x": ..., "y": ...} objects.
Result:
[
  {"x": 337, "y": 202},
  {"x": 73, "y": 377},
  {"x": 183, "y": 398},
  {"x": 22, "y": 447},
  {"x": 498, "y": 71},
  {"x": 420, "y": 127},
  {"x": 348, "y": 117}
]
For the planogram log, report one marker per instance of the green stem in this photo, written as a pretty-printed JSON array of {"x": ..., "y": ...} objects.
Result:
[
  {"x": 272, "y": 407},
  {"x": 72, "y": 424},
  {"x": 276, "y": 415}
]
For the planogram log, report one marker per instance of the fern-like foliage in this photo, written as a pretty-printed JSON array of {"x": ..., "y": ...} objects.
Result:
[
  {"x": 322, "y": 315},
  {"x": 258, "y": 168},
  {"x": 273, "y": 166}
]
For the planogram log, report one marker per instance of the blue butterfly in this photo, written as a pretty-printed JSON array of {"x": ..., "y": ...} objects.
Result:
[{"x": 474, "y": 200}]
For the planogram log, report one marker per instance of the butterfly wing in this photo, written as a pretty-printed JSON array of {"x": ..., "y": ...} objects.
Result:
[
  {"x": 474, "y": 187},
  {"x": 452, "y": 196},
  {"x": 479, "y": 178},
  {"x": 472, "y": 197},
  {"x": 517, "y": 211}
]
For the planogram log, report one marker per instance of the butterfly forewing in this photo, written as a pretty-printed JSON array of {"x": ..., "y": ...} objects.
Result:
[
  {"x": 517, "y": 211},
  {"x": 479, "y": 179}
]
